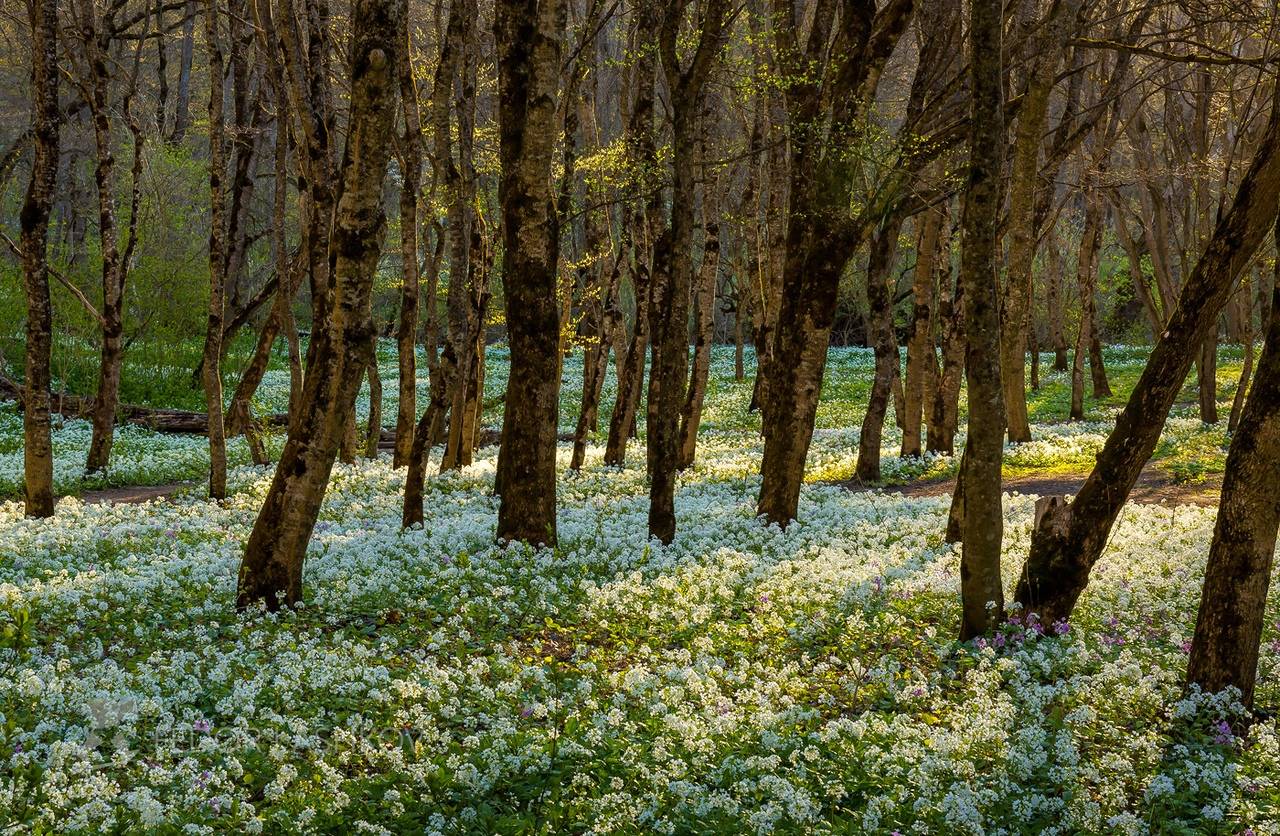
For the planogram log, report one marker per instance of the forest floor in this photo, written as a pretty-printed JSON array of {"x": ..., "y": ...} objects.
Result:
[
  {"x": 1155, "y": 485},
  {"x": 742, "y": 679}
]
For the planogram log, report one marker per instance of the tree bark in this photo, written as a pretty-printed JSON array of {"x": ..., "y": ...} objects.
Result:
[
  {"x": 407, "y": 330},
  {"x": 37, "y": 448},
  {"x": 1028, "y": 137},
  {"x": 884, "y": 246},
  {"x": 704, "y": 327},
  {"x": 1053, "y": 301},
  {"x": 641, "y": 235},
  {"x": 1087, "y": 277},
  {"x": 944, "y": 406},
  {"x": 1224, "y": 648},
  {"x": 1069, "y": 540},
  {"x": 271, "y": 571},
  {"x": 182, "y": 105},
  {"x": 95, "y": 40},
  {"x": 1207, "y": 377},
  {"x": 1246, "y": 338},
  {"x": 921, "y": 357},
  {"x": 669, "y": 301},
  {"x": 212, "y": 357},
  {"x": 529, "y": 34},
  {"x": 821, "y": 236},
  {"x": 981, "y": 589}
]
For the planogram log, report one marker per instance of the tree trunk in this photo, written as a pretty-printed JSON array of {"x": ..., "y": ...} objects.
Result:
[
  {"x": 1246, "y": 338},
  {"x": 373, "y": 427},
  {"x": 529, "y": 34},
  {"x": 643, "y": 230},
  {"x": 462, "y": 221},
  {"x": 884, "y": 246},
  {"x": 429, "y": 427},
  {"x": 182, "y": 105},
  {"x": 212, "y": 357},
  {"x": 37, "y": 448},
  {"x": 115, "y": 263},
  {"x": 271, "y": 571},
  {"x": 595, "y": 365},
  {"x": 981, "y": 590},
  {"x": 1087, "y": 276},
  {"x": 921, "y": 357},
  {"x": 944, "y": 410},
  {"x": 1069, "y": 540},
  {"x": 821, "y": 236},
  {"x": 1053, "y": 300},
  {"x": 1224, "y": 649},
  {"x": 1028, "y": 137},
  {"x": 669, "y": 388},
  {"x": 407, "y": 330},
  {"x": 1207, "y": 377},
  {"x": 704, "y": 325}
]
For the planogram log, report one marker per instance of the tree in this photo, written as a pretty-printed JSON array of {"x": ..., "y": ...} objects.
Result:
[
  {"x": 529, "y": 35},
  {"x": 669, "y": 301},
  {"x": 1044, "y": 56},
  {"x": 1069, "y": 538},
  {"x": 212, "y": 357},
  {"x": 981, "y": 588},
  {"x": 821, "y": 234},
  {"x": 641, "y": 237},
  {"x": 271, "y": 571},
  {"x": 37, "y": 450},
  {"x": 1224, "y": 649},
  {"x": 94, "y": 81}
]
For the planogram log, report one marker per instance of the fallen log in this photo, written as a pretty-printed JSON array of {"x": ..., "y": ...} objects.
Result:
[{"x": 160, "y": 420}]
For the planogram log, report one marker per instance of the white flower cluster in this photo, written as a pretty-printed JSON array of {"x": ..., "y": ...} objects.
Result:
[{"x": 742, "y": 679}]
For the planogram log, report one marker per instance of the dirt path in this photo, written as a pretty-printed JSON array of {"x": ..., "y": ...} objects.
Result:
[
  {"x": 134, "y": 494},
  {"x": 1154, "y": 486}
]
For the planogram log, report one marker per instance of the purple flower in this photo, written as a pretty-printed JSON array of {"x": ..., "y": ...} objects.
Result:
[
  {"x": 980, "y": 642},
  {"x": 1061, "y": 627},
  {"x": 1224, "y": 737},
  {"x": 202, "y": 726}
]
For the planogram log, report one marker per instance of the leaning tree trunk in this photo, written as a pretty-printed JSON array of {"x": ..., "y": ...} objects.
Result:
[
  {"x": 981, "y": 589},
  {"x": 1224, "y": 649},
  {"x": 884, "y": 245},
  {"x": 1069, "y": 538},
  {"x": 529, "y": 34},
  {"x": 37, "y": 448},
  {"x": 212, "y": 357},
  {"x": 271, "y": 571}
]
